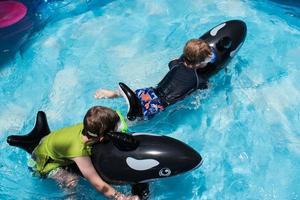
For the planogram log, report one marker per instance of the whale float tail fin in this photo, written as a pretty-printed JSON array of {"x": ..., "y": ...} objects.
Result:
[
  {"x": 134, "y": 106},
  {"x": 31, "y": 140}
]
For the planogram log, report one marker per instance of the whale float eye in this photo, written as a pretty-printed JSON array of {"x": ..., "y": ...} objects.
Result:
[{"x": 164, "y": 172}]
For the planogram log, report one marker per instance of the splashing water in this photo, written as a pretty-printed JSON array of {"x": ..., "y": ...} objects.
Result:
[{"x": 246, "y": 125}]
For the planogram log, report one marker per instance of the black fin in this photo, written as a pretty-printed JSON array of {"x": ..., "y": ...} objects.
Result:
[
  {"x": 31, "y": 140},
  {"x": 123, "y": 141},
  {"x": 224, "y": 43},
  {"x": 135, "y": 108}
]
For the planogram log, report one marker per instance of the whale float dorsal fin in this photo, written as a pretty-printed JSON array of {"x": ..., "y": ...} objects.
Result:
[
  {"x": 123, "y": 141},
  {"x": 134, "y": 106}
]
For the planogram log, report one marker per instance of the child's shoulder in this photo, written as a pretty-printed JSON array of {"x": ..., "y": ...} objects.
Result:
[{"x": 173, "y": 63}]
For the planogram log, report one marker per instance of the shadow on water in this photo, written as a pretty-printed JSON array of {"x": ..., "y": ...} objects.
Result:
[
  {"x": 288, "y": 2},
  {"x": 287, "y": 10}
]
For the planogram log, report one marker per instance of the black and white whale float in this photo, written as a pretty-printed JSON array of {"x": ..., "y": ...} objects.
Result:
[
  {"x": 134, "y": 159},
  {"x": 226, "y": 39}
]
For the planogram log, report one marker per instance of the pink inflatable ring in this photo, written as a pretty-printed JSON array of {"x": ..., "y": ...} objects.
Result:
[{"x": 11, "y": 12}]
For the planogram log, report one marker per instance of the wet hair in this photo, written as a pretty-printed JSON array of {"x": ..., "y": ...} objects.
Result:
[
  {"x": 196, "y": 51},
  {"x": 99, "y": 120}
]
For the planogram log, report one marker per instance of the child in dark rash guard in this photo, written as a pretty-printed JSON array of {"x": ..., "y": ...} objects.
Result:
[{"x": 184, "y": 77}]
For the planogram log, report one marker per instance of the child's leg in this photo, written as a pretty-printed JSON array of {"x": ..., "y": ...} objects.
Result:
[{"x": 64, "y": 178}]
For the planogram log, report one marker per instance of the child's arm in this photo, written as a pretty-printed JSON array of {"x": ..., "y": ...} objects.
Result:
[
  {"x": 89, "y": 172},
  {"x": 103, "y": 93}
]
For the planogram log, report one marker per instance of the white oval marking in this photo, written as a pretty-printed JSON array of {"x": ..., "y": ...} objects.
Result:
[
  {"x": 151, "y": 134},
  {"x": 141, "y": 165},
  {"x": 232, "y": 53},
  {"x": 215, "y": 30}
]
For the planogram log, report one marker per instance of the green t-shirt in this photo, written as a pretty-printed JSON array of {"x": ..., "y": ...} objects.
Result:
[{"x": 56, "y": 149}]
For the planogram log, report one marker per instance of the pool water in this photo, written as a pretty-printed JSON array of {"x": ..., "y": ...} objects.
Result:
[{"x": 246, "y": 125}]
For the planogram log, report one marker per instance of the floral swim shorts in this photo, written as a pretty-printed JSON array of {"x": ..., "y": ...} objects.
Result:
[{"x": 150, "y": 102}]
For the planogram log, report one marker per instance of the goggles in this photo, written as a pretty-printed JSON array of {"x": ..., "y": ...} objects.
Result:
[{"x": 93, "y": 135}]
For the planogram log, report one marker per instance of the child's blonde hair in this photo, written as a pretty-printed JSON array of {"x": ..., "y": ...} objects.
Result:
[{"x": 196, "y": 51}]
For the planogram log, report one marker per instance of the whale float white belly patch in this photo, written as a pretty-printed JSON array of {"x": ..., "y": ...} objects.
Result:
[{"x": 141, "y": 165}]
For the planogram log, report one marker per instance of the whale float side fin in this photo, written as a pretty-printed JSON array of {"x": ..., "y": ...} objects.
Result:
[
  {"x": 134, "y": 106},
  {"x": 31, "y": 140},
  {"x": 141, "y": 189},
  {"x": 224, "y": 43}
]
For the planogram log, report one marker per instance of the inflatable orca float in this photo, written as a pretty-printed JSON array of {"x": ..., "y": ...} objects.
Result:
[
  {"x": 134, "y": 159},
  {"x": 226, "y": 39}
]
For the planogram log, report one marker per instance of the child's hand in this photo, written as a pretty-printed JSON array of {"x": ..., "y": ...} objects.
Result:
[
  {"x": 120, "y": 196},
  {"x": 102, "y": 93},
  {"x": 131, "y": 197}
]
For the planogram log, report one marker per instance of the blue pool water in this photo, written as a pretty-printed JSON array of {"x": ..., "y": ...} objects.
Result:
[{"x": 246, "y": 125}]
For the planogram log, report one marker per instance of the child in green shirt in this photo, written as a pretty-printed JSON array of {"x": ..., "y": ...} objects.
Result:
[{"x": 73, "y": 144}]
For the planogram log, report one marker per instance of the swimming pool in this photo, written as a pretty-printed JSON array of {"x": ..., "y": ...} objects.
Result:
[{"x": 246, "y": 126}]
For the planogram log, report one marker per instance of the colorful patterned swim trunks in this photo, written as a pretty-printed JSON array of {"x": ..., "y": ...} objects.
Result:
[{"x": 150, "y": 102}]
